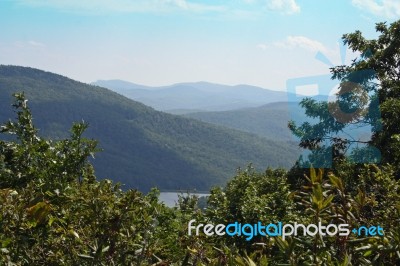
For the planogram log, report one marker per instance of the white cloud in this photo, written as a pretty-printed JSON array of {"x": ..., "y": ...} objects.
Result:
[
  {"x": 29, "y": 44},
  {"x": 328, "y": 55},
  {"x": 36, "y": 44},
  {"x": 284, "y": 6},
  {"x": 252, "y": 8},
  {"x": 385, "y": 8},
  {"x": 126, "y": 6},
  {"x": 302, "y": 42},
  {"x": 262, "y": 46}
]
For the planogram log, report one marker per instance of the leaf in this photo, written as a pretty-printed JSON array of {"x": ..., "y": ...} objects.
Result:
[
  {"x": 51, "y": 220},
  {"x": 5, "y": 242},
  {"x": 313, "y": 175},
  {"x": 327, "y": 201},
  {"x": 38, "y": 213},
  {"x": 362, "y": 248},
  {"x": 4, "y": 250},
  {"x": 85, "y": 256},
  {"x": 336, "y": 182},
  {"x": 75, "y": 234},
  {"x": 369, "y": 252}
]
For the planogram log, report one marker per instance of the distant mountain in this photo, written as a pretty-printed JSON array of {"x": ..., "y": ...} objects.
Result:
[
  {"x": 199, "y": 96},
  {"x": 271, "y": 121},
  {"x": 143, "y": 148},
  {"x": 268, "y": 121},
  {"x": 121, "y": 85}
]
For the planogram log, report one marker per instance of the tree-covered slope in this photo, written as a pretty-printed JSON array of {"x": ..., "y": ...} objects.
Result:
[
  {"x": 143, "y": 148},
  {"x": 270, "y": 120}
]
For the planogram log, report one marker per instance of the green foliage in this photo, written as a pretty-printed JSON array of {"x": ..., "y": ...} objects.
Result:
[
  {"x": 53, "y": 211},
  {"x": 382, "y": 56},
  {"x": 31, "y": 158},
  {"x": 250, "y": 197},
  {"x": 329, "y": 200},
  {"x": 368, "y": 95}
]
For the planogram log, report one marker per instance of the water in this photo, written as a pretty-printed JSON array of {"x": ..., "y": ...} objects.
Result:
[{"x": 171, "y": 198}]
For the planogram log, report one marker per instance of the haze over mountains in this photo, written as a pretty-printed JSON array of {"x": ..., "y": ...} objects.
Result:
[
  {"x": 197, "y": 96},
  {"x": 246, "y": 108},
  {"x": 270, "y": 120},
  {"x": 143, "y": 148}
]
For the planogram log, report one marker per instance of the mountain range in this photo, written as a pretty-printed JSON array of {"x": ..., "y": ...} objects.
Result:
[
  {"x": 184, "y": 98},
  {"x": 142, "y": 147}
]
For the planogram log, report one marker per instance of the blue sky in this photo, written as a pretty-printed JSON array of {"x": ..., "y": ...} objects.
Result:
[{"x": 161, "y": 42}]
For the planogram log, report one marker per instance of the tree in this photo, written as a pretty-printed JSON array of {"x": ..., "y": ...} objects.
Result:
[
  {"x": 30, "y": 157},
  {"x": 369, "y": 95}
]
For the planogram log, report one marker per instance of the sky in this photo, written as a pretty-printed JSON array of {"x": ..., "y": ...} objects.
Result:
[{"x": 162, "y": 42}]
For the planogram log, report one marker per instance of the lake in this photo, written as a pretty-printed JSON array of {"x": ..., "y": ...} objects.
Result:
[{"x": 171, "y": 198}]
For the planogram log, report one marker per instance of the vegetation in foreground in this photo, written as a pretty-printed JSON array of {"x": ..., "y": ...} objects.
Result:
[{"x": 54, "y": 212}]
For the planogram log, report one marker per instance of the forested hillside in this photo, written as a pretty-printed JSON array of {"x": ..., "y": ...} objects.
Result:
[
  {"x": 143, "y": 148},
  {"x": 270, "y": 120}
]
